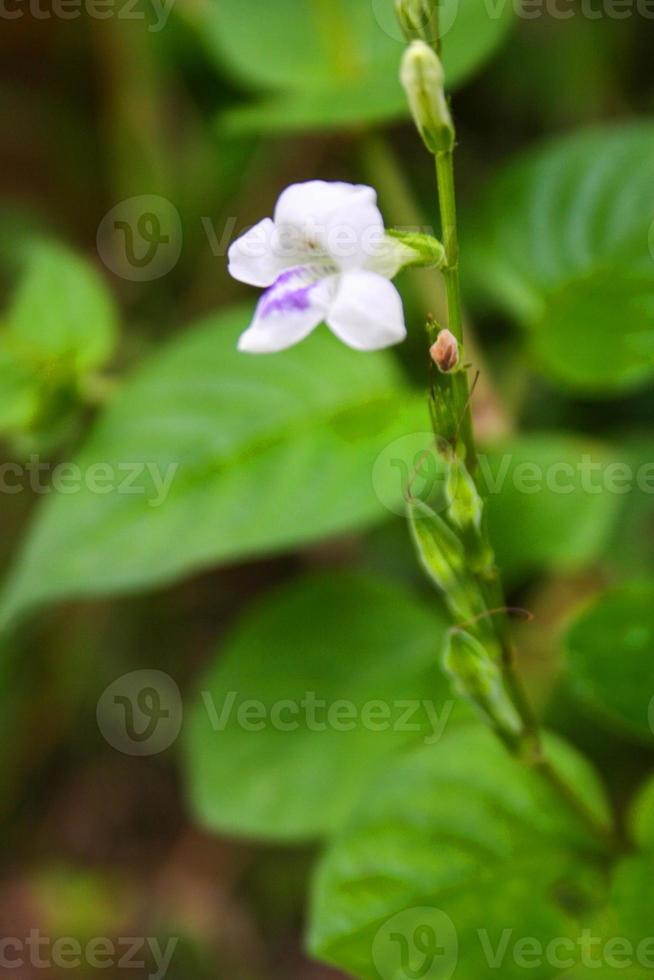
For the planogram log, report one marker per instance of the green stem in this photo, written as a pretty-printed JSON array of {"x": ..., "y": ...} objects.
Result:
[
  {"x": 447, "y": 201},
  {"x": 527, "y": 746},
  {"x": 404, "y": 210}
]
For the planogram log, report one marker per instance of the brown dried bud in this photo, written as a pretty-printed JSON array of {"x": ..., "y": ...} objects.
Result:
[{"x": 445, "y": 352}]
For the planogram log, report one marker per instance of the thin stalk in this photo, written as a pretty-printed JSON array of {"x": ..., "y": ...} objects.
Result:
[
  {"x": 403, "y": 209},
  {"x": 527, "y": 745},
  {"x": 447, "y": 202}
]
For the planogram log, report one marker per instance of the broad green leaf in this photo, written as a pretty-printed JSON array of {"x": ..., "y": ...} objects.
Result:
[
  {"x": 18, "y": 390},
  {"x": 213, "y": 455},
  {"x": 446, "y": 851},
  {"x": 549, "y": 502},
  {"x": 314, "y": 690},
  {"x": 332, "y": 62},
  {"x": 564, "y": 242},
  {"x": 632, "y": 896},
  {"x": 620, "y": 941},
  {"x": 310, "y": 109},
  {"x": 630, "y": 548},
  {"x": 641, "y": 818},
  {"x": 609, "y": 651},
  {"x": 62, "y": 315}
]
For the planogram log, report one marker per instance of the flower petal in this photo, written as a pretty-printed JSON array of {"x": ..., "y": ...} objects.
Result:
[
  {"x": 367, "y": 313},
  {"x": 317, "y": 199},
  {"x": 288, "y": 311},
  {"x": 254, "y": 257},
  {"x": 332, "y": 220}
]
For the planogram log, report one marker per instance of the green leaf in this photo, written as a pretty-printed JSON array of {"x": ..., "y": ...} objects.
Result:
[
  {"x": 350, "y": 664},
  {"x": 630, "y": 549},
  {"x": 633, "y": 897},
  {"x": 332, "y": 62},
  {"x": 609, "y": 650},
  {"x": 464, "y": 839},
  {"x": 215, "y": 455},
  {"x": 338, "y": 106},
  {"x": 548, "y": 502},
  {"x": 62, "y": 316},
  {"x": 19, "y": 397},
  {"x": 641, "y": 819},
  {"x": 619, "y": 940},
  {"x": 564, "y": 243}
]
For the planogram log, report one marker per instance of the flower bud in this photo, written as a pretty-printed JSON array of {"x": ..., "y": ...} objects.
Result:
[
  {"x": 478, "y": 678},
  {"x": 418, "y": 19},
  {"x": 445, "y": 352},
  {"x": 474, "y": 674},
  {"x": 465, "y": 505},
  {"x": 419, "y": 250},
  {"x": 423, "y": 80},
  {"x": 442, "y": 556}
]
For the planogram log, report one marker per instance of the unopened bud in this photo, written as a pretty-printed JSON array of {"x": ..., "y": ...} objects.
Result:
[
  {"x": 478, "y": 678},
  {"x": 442, "y": 556},
  {"x": 474, "y": 674},
  {"x": 465, "y": 505},
  {"x": 423, "y": 80},
  {"x": 418, "y": 19},
  {"x": 445, "y": 352},
  {"x": 418, "y": 250}
]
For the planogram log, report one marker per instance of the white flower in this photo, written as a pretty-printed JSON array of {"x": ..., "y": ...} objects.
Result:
[{"x": 325, "y": 256}]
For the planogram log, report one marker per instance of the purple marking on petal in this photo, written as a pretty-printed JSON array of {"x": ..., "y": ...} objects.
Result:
[
  {"x": 276, "y": 300},
  {"x": 286, "y": 276}
]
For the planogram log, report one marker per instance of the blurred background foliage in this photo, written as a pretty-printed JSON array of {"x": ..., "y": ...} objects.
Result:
[{"x": 276, "y": 564}]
